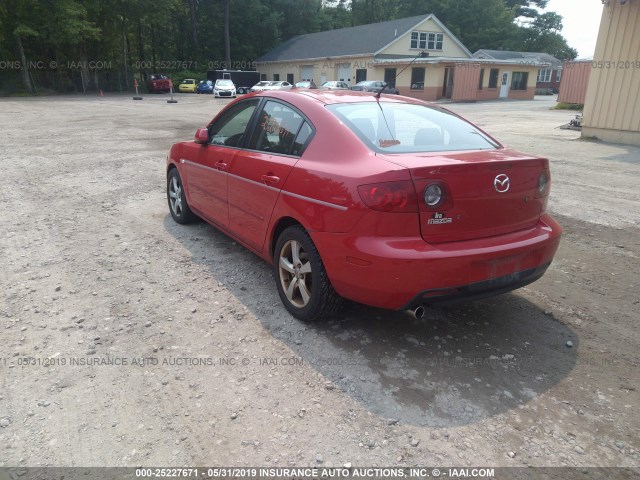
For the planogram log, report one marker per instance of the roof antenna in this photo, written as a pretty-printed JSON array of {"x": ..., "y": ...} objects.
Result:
[{"x": 422, "y": 54}]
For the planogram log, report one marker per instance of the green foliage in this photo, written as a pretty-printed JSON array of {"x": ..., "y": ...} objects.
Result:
[
  {"x": 477, "y": 23},
  {"x": 569, "y": 106},
  {"x": 102, "y": 44}
]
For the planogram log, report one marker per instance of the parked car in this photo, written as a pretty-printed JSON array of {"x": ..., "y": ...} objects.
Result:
[
  {"x": 158, "y": 83},
  {"x": 279, "y": 85},
  {"x": 188, "y": 85},
  {"x": 224, "y": 88},
  {"x": 389, "y": 202},
  {"x": 260, "y": 86},
  {"x": 306, "y": 84},
  {"x": 374, "y": 86},
  {"x": 335, "y": 85},
  {"x": 205, "y": 86}
]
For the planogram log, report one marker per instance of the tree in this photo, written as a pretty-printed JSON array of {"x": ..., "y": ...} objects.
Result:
[
  {"x": 544, "y": 36},
  {"x": 227, "y": 35},
  {"x": 526, "y": 8},
  {"x": 477, "y": 23},
  {"x": 373, "y": 11}
]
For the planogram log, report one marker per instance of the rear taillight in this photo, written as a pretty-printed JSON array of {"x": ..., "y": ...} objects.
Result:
[
  {"x": 436, "y": 196},
  {"x": 397, "y": 196},
  {"x": 544, "y": 180}
]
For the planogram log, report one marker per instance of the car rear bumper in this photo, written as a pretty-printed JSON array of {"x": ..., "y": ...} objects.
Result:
[{"x": 399, "y": 272}]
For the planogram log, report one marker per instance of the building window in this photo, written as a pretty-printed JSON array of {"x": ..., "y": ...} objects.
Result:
[
  {"x": 417, "y": 78},
  {"x": 276, "y": 77},
  {"x": 263, "y": 76},
  {"x": 558, "y": 75},
  {"x": 519, "y": 80},
  {"x": 481, "y": 81},
  {"x": 493, "y": 78},
  {"x": 414, "y": 39},
  {"x": 544, "y": 75},
  {"x": 435, "y": 41},
  {"x": 427, "y": 40}
]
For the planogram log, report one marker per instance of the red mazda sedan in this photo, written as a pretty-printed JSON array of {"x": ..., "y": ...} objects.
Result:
[{"x": 384, "y": 200}]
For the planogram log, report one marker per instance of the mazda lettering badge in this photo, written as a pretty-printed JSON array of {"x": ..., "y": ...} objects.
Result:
[{"x": 501, "y": 183}]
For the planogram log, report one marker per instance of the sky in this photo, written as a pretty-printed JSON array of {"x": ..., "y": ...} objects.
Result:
[{"x": 581, "y": 20}]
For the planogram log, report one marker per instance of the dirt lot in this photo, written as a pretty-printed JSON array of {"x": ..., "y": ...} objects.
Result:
[{"x": 211, "y": 370}]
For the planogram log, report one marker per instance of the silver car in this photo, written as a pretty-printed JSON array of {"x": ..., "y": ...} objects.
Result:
[
  {"x": 335, "y": 85},
  {"x": 278, "y": 85}
]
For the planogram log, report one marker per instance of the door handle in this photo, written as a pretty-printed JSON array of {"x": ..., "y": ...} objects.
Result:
[
  {"x": 270, "y": 179},
  {"x": 221, "y": 165}
]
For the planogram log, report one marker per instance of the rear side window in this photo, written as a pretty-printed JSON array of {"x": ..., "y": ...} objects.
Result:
[
  {"x": 278, "y": 130},
  {"x": 302, "y": 139},
  {"x": 408, "y": 128}
]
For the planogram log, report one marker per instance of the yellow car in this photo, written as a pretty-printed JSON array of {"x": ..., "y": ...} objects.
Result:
[{"x": 188, "y": 85}]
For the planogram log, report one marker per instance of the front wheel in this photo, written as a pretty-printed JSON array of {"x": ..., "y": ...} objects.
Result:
[
  {"x": 177, "y": 199},
  {"x": 301, "y": 279}
]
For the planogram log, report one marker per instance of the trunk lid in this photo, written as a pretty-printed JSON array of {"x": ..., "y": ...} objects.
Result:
[{"x": 490, "y": 192}]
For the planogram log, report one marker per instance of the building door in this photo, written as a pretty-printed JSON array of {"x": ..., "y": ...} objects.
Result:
[
  {"x": 390, "y": 76},
  {"x": 361, "y": 75},
  {"x": 290, "y": 78},
  {"x": 447, "y": 87},
  {"x": 323, "y": 78},
  {"x": 306, "y": 72},
  {"x": 504, "y": 85},
  {"x": 344, "y": 72}
]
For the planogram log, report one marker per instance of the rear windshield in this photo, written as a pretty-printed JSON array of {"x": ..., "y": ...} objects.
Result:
[{"x": 408, "y": 128}]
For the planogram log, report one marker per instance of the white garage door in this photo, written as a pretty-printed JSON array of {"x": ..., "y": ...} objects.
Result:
[
  {"x": 344, "y": 72},
  {"x": 306, "y": 72}
]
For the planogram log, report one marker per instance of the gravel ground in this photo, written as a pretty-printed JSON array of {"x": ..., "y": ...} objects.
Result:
[{"x": 209, "y": 369}]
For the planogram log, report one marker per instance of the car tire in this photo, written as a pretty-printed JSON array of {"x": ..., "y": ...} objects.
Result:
[
  {"x": 302, "y": 281},
  {"x": 177, "y": 200}
]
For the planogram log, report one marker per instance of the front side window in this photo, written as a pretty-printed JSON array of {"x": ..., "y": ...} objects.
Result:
[
  {"x": 406, "y": 128},
  {"x": 277, "y": 128},
  {"x": 229, "y": 129}
]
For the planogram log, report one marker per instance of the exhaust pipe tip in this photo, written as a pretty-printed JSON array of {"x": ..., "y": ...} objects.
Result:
[{"x": 417, "y": 313}]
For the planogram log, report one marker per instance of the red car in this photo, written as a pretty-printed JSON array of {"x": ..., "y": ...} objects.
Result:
[
  {"x": 158, "y": 83},
  {"x": 384, "y": 200}
]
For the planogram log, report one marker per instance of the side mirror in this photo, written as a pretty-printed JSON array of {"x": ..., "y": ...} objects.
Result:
[{"x": 202, "y": 136}]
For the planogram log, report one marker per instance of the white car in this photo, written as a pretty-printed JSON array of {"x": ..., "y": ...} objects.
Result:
[
  {"x": 260, "y": 86},
  {"x": 224, "y": 88},
  {"x": 279, "y": 85},
  {"x": 335, "y": 85}
]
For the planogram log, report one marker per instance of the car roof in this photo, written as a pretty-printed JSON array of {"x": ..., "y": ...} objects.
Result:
[{"x": 328, "y": 97}]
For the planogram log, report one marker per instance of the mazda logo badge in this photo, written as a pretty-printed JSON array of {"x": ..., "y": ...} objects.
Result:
[{"x": 501, "y": 183}]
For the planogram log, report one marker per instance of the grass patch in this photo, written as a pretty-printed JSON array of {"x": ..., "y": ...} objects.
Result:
[{"x": 568, "y": 106}]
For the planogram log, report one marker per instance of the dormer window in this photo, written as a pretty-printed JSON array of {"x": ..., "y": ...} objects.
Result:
[{"x": 426, "y": 40}]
